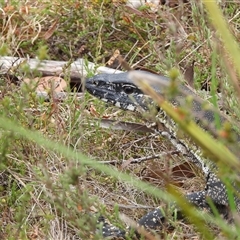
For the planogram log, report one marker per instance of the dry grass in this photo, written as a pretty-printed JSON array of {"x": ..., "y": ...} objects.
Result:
[{"x": 47, "y": 196}]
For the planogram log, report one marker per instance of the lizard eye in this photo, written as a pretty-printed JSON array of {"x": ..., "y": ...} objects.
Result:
[{"x": 128, "y": 89}]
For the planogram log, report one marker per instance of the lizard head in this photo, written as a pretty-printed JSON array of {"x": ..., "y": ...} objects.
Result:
[{"x": 118, "y": 90}]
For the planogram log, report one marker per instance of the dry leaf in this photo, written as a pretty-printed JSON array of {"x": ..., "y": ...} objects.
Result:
[
  {"x": 50, "y": 31},
  {"x": 25, "y": 10},
  {"x": 35, "y": 234},
  {"x": 174, "y": 175},
  {"x": 8, "y": 8},
  {"x": 189, "y": 74},
  {"x": 93, "y": 111},
  {"x": 82, "y": 50},
  {"x": 79, "y": 207},
  {"x": 114, "y": 57},
  {"x": 44, "y": 84},
  {"x": 183, "y": 170}
]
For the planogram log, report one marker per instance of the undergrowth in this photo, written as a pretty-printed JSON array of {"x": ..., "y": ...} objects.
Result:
[{"x": 49, "y": 186}]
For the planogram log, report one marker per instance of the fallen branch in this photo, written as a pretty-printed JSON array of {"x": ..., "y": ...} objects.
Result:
[
  {"x": 75, "y": 70},
  {"x": 142, "y": 159}
]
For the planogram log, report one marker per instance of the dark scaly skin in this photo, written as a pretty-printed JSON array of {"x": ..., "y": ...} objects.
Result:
[{"x": 116, "y": 89}]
